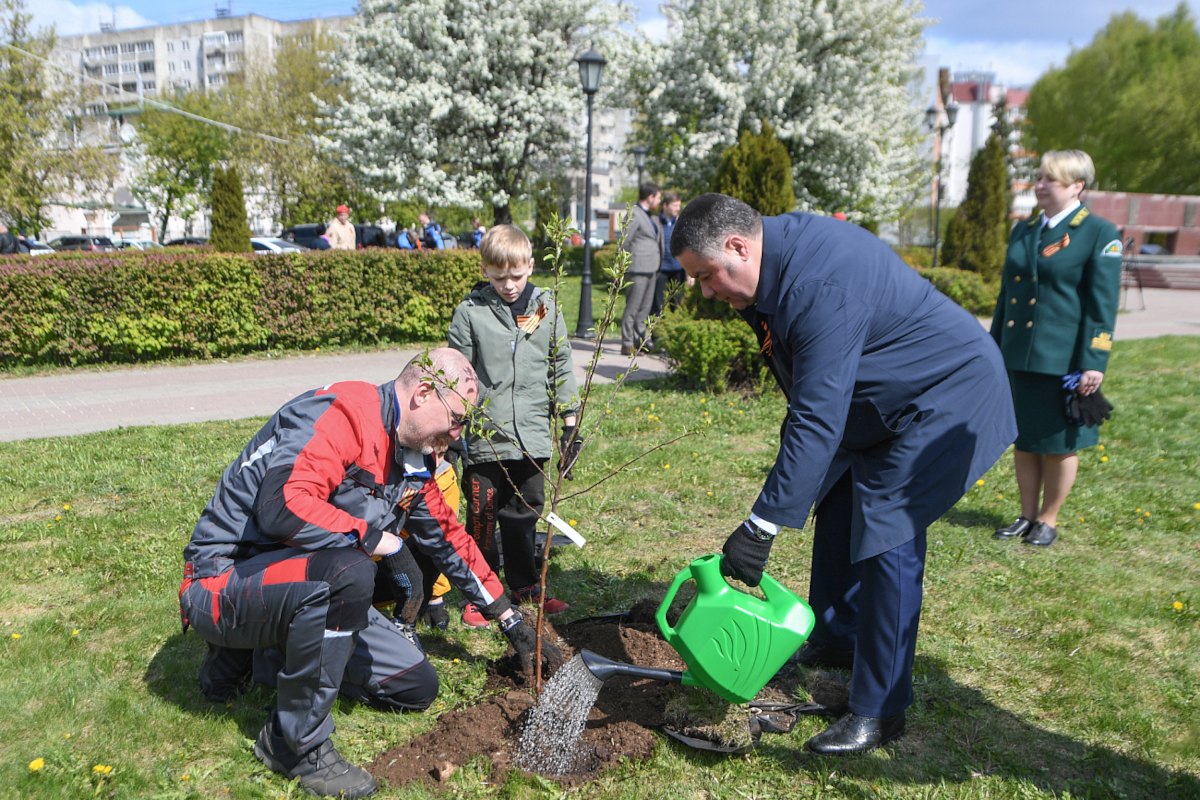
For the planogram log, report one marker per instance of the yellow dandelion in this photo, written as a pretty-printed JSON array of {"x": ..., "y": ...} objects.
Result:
[
  {"x": 979, "y": 482},
  {"x": 1137, "y": 511},
  {"x": 740, "y": 411},
  {"x": 652, "y": 405},
  {"x": 1146, "y": 514},
  {"x": 74, "y": 633},
  {"x": 184, "y": 777},
  {"x": 572, "y": 522},
  {"x": 731, "y": 405},
  {"x": 703, "y": 399},
  {"x": 608, "y": 411},
  {"x": 318, "y": 349},
  {"x": 1081, "y": 519},
  {"x": 68, "y": 736},
  {"x": 38, "y": 763},
  {"x": 1000, "y": 496},
  {"x": 457, "y": 661},
  {"x": 102, "y": 769},
  {"x": 67, "y": 507},
  {"x": 1104, "y": 458},
  {"x": 16, "y": 636},
  {"x": 710, "y": 494},
  {"x": 695, "y": 454},
  {"x": 1100, "y": 446},
  {"x": 1178, "y": 606},
  {"x": 666, "y": 466},
  {"x": 57, "y": 517},
  {"x": 1196, "y": 506},
  {"x": 1138, "y": 521}
]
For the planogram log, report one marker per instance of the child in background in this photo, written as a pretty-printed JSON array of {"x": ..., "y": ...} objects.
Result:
[{"x": 508, "y": 328}]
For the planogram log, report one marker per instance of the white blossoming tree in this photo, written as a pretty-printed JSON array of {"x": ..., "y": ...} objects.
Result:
[
  {"x": 828, "y": 75},
  {"x": 457, "y": 102}
]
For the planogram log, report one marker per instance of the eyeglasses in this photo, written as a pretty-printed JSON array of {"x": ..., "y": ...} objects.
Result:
[{"x": 456, "y": 420}]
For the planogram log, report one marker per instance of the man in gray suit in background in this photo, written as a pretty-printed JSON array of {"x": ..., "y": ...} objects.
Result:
[{"x": 644, "y": 243}]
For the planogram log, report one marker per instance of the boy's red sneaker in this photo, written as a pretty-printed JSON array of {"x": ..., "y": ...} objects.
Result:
[
  {"x": 473, "y": 619},
  {"x": 531, "y": 595}
]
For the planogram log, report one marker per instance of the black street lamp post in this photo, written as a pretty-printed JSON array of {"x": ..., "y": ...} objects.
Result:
[
  {"x": 639, "y": 158},
  {"x": 591, "y": 67},
  {"x": 933, "y": 118}
]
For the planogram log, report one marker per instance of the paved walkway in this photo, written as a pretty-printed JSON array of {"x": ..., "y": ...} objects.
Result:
[{"x": 87, "y": 400}]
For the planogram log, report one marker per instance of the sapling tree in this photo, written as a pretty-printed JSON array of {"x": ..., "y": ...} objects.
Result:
[{"x": 589, "y": 419}]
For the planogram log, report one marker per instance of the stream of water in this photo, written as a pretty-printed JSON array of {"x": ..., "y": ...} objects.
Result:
[{"x": 550, "y": 741}]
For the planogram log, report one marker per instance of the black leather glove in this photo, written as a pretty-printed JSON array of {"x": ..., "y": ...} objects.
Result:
[
  {"x": 404, "y": 579},
  {"x": 746, "y": 553},
  {"x": 524, "y": 641},
  {"x": 1093, "y": 408},
  {"x": 569, "y": 447}
]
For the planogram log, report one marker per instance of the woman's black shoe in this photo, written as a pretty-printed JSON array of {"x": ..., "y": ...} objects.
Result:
[
  {"x": 1019, "y": 528},
  {"x": 1042, "y": 535},
  {"x": 854, "y": 734}
]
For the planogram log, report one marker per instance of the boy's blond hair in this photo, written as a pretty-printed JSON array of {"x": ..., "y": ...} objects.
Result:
[
  {"x": 505, "y": 246},
  {"x": 1068, "y": 166}
]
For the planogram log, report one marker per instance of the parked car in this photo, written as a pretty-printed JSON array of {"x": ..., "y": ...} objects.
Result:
[
  {"x": 301, "y": 234},
  {"x": 188, "y": 241},
  {"x": 37, "y": 248},
  {"x": 93, "y": 244},
  {"x": 274, "y": 244},
  {"x": 139, "y": 244}
]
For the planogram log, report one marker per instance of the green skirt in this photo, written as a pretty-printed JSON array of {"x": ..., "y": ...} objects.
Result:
[{"x": 1042, "y": 424}]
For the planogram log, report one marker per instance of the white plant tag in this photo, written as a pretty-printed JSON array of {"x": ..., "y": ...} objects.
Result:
[{"x": 568, "y": 531}]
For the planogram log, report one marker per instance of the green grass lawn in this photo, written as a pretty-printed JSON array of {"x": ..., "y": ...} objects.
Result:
[{"x": 1072, "y": 672}]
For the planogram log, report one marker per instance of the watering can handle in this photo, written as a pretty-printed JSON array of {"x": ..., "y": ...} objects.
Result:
[{"x": 661, "y": 615}]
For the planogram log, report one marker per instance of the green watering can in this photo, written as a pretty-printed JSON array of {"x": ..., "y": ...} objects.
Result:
[{"x": 733, "y": 642}]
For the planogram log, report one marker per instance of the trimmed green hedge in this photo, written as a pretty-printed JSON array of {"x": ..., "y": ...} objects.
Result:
[
  {"x": 964, "y": 287},
  {"x": 143, "y": 306}
]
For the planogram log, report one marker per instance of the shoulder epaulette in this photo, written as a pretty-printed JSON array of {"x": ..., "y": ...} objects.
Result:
[
  {"x": 1080, "y": 217},
  {"x": 1033, "y": 221}
]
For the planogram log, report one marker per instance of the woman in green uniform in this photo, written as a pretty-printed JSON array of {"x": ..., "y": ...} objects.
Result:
[{"x": 1054, "y": 317}]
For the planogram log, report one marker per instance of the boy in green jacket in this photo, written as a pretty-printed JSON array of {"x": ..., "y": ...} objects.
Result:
[{"x": 507, "y": 328}]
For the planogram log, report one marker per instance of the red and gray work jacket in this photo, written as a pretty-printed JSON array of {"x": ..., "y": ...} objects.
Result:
[{"x": 325, "y": 471}]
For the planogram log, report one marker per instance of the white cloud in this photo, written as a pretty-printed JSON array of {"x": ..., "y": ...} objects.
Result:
[
  {"x": 70, "y": 19},
  {"x": 1016, "y": 63}
]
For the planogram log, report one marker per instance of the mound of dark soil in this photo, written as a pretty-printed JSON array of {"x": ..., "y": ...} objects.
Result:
[{"x": 620, "y": 725}]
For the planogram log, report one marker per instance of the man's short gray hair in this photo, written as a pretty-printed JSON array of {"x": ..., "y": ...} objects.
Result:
[
  {"x": 706, "y": 221},
  {"x": 446, "y": 368}
]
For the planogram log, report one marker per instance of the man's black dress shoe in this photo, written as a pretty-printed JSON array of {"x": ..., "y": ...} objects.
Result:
[
  {"x": 854, "y": 734},
  {"x": 813, "y": 656},
  {"x": 1042, "y": 535},
  {"x": 1019, "y": 528}
]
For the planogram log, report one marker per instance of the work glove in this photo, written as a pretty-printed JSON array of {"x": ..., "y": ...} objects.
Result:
[
  {"x": 569, "y": 446},
  {"x": 437, "y": 616},
  {"x": 404, "y": 580},
  {"x": 1091, "y": 409},
  {"x": 746, "y": 552},
  {"x": 524, "y": 641}
]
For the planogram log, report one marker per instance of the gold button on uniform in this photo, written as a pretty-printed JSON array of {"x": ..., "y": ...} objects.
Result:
[
  {"x": 1029, "y": 324},
  {"x": 1017, "y": 278},
  {"x": 1014, "y": 301},
  {"x": 1032, "y": 300},
  {"x": 1010, "y": 323}
]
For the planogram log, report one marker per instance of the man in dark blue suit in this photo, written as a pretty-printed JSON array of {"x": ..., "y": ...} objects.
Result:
[{"x": 897, "y": 402}]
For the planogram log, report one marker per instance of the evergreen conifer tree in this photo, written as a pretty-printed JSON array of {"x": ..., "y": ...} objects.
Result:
[
  {"x": 758, "y": 171},
  {"x": 980, "y": 239},
  {"x": 230, "y": 232}
]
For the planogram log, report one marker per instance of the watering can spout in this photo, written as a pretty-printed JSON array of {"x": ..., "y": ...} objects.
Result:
[{"x": 604, "y": 669}]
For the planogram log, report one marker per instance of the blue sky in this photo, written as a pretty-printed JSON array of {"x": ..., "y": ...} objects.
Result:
[{"x": 1017, "y": 39}]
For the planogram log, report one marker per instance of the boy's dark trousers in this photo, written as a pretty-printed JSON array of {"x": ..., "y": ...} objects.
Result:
[{"x": 495, "y": 498}]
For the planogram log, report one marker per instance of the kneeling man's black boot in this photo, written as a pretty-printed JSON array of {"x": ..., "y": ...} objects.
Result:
[
  {"x": 322, "y": 770},
  {"x": 854, "y": 734}
]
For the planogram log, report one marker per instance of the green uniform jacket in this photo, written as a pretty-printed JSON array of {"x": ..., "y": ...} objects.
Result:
[
  {"x": 1058, "y": 297},
  {"x": 515, "y": 372}
]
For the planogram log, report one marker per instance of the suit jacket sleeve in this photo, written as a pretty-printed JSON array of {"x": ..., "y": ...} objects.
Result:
[
  {"x": 827, "y": 330},
  {"x": 1103, "y": 276}
]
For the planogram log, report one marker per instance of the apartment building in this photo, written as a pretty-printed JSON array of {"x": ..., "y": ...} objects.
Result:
[{"x": 160, "y": 59}]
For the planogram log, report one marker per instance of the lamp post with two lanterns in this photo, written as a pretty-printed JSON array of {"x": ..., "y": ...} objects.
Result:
[
  {"x": 591, "y": 67},
  {"x": 933, "y": 119}
]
